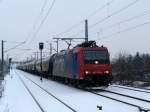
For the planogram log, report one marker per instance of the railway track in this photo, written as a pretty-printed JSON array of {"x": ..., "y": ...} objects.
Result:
[
  {"x": 138, "y": 88},
  {"x": 36, "y": 101},
  {"x": 140, "y": 108},
  {"x": 108, "y": 91},
  {"x": 59, "y": 100},
  {"x": 123, "y": 87},
  {"x": 147, "y": 89}
]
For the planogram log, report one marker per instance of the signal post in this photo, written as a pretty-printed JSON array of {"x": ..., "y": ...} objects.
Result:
[{"x": 41, "y": 46}]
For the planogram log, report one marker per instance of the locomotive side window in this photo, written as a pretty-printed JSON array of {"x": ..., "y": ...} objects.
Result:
[{"x": 101, "y": 57}]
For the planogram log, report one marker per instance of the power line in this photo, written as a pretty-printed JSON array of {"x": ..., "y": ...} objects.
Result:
[
  {"x": 99, "y": 9},
  {"x": 130, "y": 19},
  {"x": 44, "y": 5},
  {"x": 37, "y": 19},
  {"x": 41, "y": 12},
  {"x": 89, "y": 16},
  {"x": 14, "y": 42},
  {"x": 20, "y": 44},
  {"x": 43, "y": 20},
  {"x": 111, "y": 15},
  {"x": 114, "y": 13},
  {"x": 23, "y": 49},
  {"x": 127, "y": 29},
  {"x": 127, "y": 20},
  {"x": 49, "y": 10}
]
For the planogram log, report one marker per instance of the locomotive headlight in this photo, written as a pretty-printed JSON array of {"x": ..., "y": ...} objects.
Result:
[
  {"x": 107, "y": 72},
  {"x": 96, "y": 62},
  {"x": 87, "y": 72}
]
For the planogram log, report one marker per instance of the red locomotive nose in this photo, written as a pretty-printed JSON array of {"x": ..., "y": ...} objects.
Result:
[
  {"x": 94, "y": 66},
  {"x": 97, "y": 69}
]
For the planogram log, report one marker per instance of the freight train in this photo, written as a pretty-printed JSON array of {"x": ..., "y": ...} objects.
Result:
[{"x": 86, "y": 64}]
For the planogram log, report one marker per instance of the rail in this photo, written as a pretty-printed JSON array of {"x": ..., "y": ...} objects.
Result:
[
  {"x": 141, "y": 109},
  {"x": 73, "y": 110},
  {"x": 31, "y": 94},
  {"x": 131, "y": 89}
]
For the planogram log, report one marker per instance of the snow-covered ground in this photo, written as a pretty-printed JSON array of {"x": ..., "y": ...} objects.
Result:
[
  {"x": 137, "y": 94},
  {"x": 17, "y": 99},
  {"x": 1, "y": 88},
  {"x": 129, "y": 100}
]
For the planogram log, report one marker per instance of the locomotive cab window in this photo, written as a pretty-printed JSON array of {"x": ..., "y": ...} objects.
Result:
[{"x": 96, "y": 57}]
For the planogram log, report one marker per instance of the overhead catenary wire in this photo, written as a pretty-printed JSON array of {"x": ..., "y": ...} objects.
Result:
[
  {"x": 22, "y": 49},
  {"x": 127, "y": 29},
  {"x": 147, "y": 12},
  {"x": 42, "y": 21},
  {"x": 89, "y": 16},
  {"x": 20, "y": 44},
  {"x": 43, "y": 7},
  {"x": 111, "y": 15},
  {"x": 99, "y": 9},
  {"x": 114, "y": 13},
  {"x": 104, "y": 19},
  {"x": 41, "y": 12},
  {"x": 130, "y": 19},
  {"x": 37, "y": 19},
  {"x": 14, "y": 42},
  {"x": 124, "y": 30}
]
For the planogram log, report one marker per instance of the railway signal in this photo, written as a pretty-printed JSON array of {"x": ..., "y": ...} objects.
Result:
[
  {"x": 41, "y": 46},
  {"x": 10, "y": 60}
]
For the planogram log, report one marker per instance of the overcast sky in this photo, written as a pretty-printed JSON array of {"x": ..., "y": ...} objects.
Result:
[{"x": 21, "y": 19}]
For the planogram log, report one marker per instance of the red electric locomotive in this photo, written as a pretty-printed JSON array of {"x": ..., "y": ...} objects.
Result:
[{"x": 86, "y": 64}]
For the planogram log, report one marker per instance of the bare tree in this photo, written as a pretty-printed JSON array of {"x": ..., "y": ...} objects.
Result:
[{"x": 128, "y": 68}]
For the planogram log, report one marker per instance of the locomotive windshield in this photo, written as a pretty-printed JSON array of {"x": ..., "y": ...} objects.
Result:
[{"x": 96, "y": 57}]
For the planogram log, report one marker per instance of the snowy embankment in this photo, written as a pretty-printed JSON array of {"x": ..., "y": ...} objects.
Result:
[
  {"x": 1, "y": 88},
  {"x": 17, "y": 99}
]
